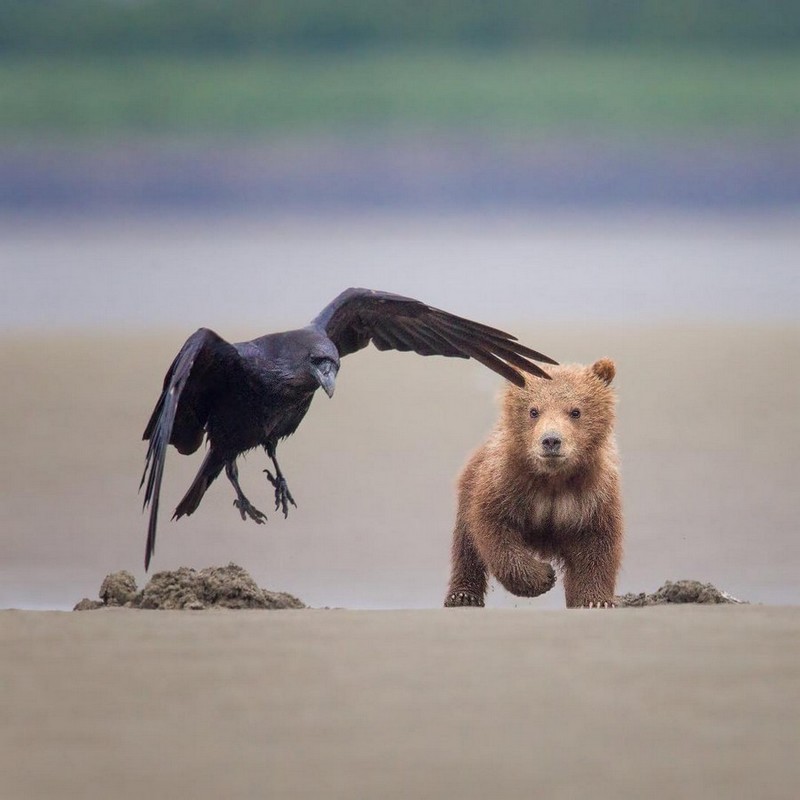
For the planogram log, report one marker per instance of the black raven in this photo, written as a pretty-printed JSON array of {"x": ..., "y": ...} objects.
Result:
[{"x": 255, "y": 393}]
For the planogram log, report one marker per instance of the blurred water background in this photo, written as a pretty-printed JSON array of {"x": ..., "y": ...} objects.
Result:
[{"x": 601, "y": 178}]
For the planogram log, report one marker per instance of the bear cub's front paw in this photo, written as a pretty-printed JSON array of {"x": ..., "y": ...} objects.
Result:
[{"x": 529, "y": 580}]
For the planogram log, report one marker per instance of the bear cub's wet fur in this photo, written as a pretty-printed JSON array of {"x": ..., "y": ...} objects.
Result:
[{"x": 544, "y": 487}]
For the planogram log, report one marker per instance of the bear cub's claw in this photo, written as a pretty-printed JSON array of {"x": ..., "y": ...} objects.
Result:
[
  {"x": 460, "y": 599},
  {"x": 550, "y": 580}
]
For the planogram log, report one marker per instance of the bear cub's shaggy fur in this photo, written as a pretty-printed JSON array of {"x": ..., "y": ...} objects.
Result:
[{"x": 545, "y": 485}]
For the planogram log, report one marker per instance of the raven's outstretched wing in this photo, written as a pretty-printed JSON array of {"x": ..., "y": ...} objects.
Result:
[
  {"x": 193, "y": 380},
  {"x": 392, "y": 322}
]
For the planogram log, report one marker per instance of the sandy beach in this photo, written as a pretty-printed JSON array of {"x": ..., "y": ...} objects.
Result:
[{"x": 690, "y": 702}]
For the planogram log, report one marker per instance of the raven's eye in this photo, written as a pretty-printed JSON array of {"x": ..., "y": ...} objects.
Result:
[
  {"x": 576, "y": 412},
  {"x": 534, "y": 412}
]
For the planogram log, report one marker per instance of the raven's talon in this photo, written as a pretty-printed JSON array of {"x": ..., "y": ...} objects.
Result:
[
  {"x": 282, "y": 494},
  {"x": 247, "y": 509}
]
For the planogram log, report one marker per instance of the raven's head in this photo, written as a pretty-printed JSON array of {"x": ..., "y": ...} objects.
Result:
[{"x": 324, "y": 365}]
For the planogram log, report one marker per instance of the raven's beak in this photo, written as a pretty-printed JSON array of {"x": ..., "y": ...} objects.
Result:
[{"x": 326, "y": 377}]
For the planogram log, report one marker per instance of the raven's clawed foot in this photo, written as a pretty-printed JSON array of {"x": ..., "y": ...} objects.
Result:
[
  {"x": 247, "y": 509},
  {"x": 282, "y": 494}
]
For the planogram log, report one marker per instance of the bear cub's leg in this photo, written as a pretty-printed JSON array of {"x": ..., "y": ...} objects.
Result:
[
  {"x": 468, "y": 573},
  {"x": 590, "y": 574}
]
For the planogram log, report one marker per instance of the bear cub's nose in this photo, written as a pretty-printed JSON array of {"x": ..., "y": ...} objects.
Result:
[{"x": 551, "y": 442}]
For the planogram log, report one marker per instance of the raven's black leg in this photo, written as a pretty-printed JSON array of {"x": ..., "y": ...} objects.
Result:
[
  {"x": 246, "y": 508},
  {"x": 282, "y": 494}
]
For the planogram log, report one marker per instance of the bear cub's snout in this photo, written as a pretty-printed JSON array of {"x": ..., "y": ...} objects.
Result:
[{"x": 551, "y": 444}]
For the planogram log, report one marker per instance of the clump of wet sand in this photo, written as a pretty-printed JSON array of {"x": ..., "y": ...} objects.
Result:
[
  {"x": 684, "y": 591},
  {"x": 186, "y": 588}
]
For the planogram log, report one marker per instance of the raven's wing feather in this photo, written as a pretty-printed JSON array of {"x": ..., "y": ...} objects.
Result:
[
  {"x": 181, "y": 413},
  {"x": 392, "y": 322}
]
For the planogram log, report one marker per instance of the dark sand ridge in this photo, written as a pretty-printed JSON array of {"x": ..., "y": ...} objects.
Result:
[
  {"x": 679, "y": 701},
  {"x": 232, "y": 587}
]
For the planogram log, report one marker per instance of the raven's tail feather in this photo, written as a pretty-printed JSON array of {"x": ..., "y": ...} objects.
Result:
[{"x": 206, "y": 475}]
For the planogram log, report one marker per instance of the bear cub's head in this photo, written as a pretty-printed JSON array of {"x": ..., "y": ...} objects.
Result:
[{"x": 562, "y": 425}]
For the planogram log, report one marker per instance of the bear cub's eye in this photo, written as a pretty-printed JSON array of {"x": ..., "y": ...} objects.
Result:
[
  {"x": 534, "y": 412},
  {"x": 576, "y": 412}
]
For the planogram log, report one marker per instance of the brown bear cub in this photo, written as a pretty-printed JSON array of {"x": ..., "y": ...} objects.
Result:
[{"x": 545, "y": 485}]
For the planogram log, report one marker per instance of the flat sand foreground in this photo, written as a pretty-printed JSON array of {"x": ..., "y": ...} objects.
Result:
[{"x": 668, "y": 702}]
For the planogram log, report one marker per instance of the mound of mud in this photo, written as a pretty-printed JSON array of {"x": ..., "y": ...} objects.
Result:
[
  {"x": 678, "y": 592},
  {"x": 185, "y": 588}
]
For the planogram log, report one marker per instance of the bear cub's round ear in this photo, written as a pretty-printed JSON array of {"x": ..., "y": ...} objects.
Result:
[{"x": 604, "y": 369}]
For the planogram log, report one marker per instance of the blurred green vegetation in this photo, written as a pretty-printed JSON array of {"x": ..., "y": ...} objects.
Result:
[
  {"x": 213, "y": 26},
  {"x": 582, "y": 91},
  {"x": 89, "y": 68}
]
